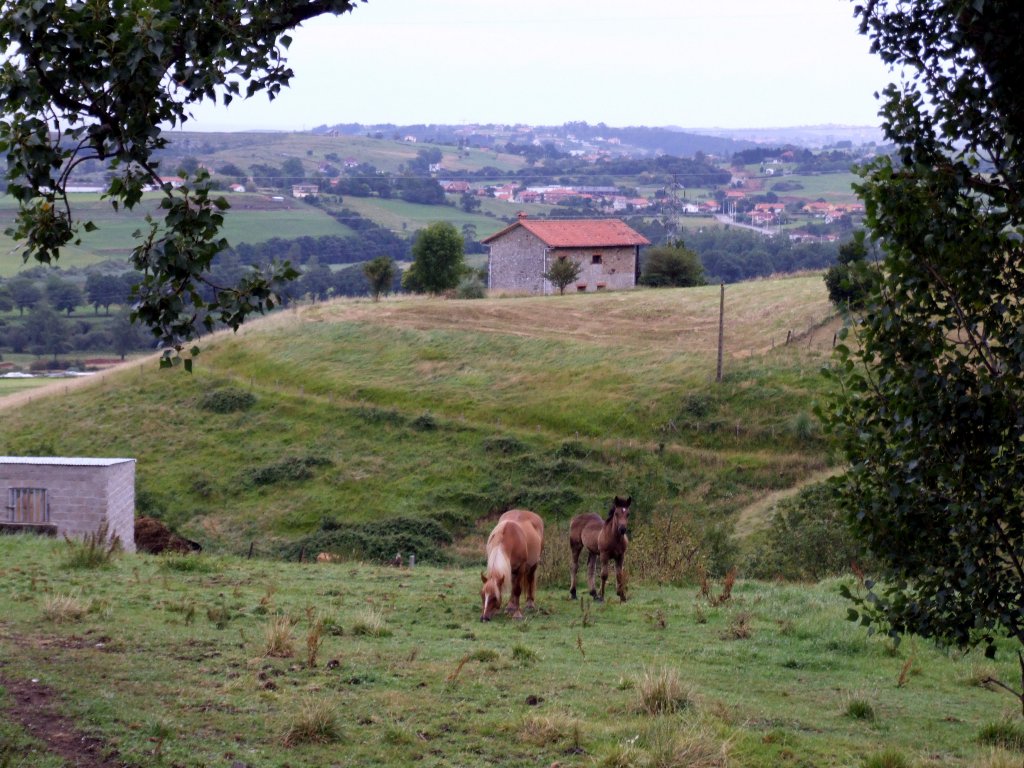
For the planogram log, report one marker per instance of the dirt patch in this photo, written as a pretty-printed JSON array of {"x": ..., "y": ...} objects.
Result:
[
  {"x": 33, "y": 706},
  {"x": 154, "y": 537}
]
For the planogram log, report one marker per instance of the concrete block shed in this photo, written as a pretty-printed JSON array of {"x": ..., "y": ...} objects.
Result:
[{"x": 67, "y": 495}]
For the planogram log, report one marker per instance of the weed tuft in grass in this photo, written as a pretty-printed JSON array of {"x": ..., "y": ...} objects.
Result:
[
  {"x": 94, "y": 550},
  {"x": 889, "y": 758},
  {"x": 484, "y": 655},
  {"x": 860, "y": 709},
  {"x": 1005, "y": 734},
  {"x": 371, "y": 623},
  {"x": 661, "y": 693},
  {"x": 998, "y": 758},
  {"x": 219, "y": 614},
  {"x": 187, "y": 563},
  {"x": 278, "y": 636},
  {"x": 523, "y": 655},
  {"x": 315, "y": 723},
  {"x": 62, "y": 609},
  {"x": 669, "y": 746}
]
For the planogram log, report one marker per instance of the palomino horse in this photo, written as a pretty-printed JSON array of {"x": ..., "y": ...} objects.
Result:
[
  {"x": 604, "y": 538},
  {"x": 513, "y": 552}
]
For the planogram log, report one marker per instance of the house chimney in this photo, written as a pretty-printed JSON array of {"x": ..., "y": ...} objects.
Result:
[{"x": 521, "y": 215}]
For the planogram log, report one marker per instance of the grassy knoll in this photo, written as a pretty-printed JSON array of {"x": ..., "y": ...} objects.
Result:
[
  {"x": 447, "y": 410},
  {"x": 206, "y": 660}
]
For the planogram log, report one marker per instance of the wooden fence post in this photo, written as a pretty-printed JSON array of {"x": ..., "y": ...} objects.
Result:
[{"x": 721, "y": 333}]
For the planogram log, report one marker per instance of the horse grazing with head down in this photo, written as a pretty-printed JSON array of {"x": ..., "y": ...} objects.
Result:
[
  {"x": 513, "y": 553},
  {"x": 605, "y": 538}
]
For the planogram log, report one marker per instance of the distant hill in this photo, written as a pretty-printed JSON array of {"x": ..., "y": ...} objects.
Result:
[
  {"x": 808, "y": 136},
  {"x": 631, "y": 140}
]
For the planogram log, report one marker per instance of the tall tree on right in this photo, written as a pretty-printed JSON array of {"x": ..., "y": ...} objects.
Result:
[{"x": 929, "y": 398}]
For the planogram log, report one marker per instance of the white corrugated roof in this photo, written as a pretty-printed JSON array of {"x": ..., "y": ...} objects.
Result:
[{"x": 62, "y": 461}]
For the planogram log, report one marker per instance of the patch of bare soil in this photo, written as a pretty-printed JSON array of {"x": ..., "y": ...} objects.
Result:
[{"x": 34, "y": 707}]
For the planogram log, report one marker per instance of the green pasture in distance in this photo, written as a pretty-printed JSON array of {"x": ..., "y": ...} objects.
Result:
[
  {"x": 14, "y": 386},
  {"x": 832, "y": 187},
  {"x": 386, "y": 154},
  {"x": 405, "y": 218},
  {"x": 252, "y": 218}
]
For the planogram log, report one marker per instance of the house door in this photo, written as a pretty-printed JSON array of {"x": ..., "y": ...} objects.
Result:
[{"x": 28, "y": 505}]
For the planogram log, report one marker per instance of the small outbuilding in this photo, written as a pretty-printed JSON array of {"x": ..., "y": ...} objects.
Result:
[
  {"x": 607, "y": 250},
  {"x": 69, "y": 496}
]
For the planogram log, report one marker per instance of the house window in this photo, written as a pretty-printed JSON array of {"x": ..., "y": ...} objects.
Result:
[
  {"x": 595, "y": 259},
  {"x": 602, "y": 286},
  {"x": 28, "y": 505},
  {"x": 581, "y": 286}
]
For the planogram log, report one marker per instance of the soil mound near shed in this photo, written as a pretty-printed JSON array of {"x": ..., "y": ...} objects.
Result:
[{"x": 154, "y": 537}]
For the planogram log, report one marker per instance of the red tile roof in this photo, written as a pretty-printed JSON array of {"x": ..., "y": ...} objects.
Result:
[{"x": 577, "y": 233}]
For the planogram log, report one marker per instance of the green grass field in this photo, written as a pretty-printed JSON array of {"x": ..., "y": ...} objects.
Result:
[
  {"x": 203, "y": 661},
  {"x": 252, "y": 218},
  {"x": 410, "y": 404}
]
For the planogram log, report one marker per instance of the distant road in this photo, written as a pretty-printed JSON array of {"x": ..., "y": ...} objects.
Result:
[{"x": 725, "y": 219}]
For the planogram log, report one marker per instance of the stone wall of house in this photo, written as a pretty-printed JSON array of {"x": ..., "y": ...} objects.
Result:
[
  {"x": 516, "y": 263},
  {"x": 80, "y": 496},
  {"x": 615, "y": 268},
  {"x": 519, "y": 258}
]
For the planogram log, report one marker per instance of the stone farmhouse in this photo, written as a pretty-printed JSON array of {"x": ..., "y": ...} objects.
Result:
[{"x": 608, "y": 251}]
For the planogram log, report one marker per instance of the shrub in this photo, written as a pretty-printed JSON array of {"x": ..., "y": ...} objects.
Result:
[
  {"x": 470, "y": 288},
  {"x": 664, "y": 551},
  {"x": 808, "y": 539},
  {"x": 378, "y": 540},
  {"x": 227, "y": 400},
  {"x": 291, "y": 469}
]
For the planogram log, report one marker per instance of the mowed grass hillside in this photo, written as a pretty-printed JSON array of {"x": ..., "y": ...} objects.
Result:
[
  {"x": 421, "y": 409},
  {"x": 252, "y": 218},
  {"x": 202, "y": 661}
]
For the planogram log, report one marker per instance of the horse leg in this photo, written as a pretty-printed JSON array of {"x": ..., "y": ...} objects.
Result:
[
  {"x": 604, "y": 574},
  {"x": 531, "y": 589},
  {"x": 591, "y": 571},
  {"x": 576, "y": 547},
  {"x": 517, "y": 589},
  {"x": 620, "y": 578}
]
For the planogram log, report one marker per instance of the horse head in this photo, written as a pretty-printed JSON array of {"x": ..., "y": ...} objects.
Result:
[
  {"x": 490, "y": 596},
  {"x": 618, "y": 515}
]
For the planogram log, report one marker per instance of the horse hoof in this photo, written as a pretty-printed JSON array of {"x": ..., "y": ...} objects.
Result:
[{"x": 572, "y": 595}]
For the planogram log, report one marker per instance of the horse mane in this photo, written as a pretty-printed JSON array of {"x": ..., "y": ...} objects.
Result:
[{"x": 498, "y": 564}]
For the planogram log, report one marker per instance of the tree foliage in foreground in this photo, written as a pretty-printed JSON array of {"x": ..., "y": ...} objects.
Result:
[
  {"x": 930, "y": 412},
  {"x": 102, "y": 82}
]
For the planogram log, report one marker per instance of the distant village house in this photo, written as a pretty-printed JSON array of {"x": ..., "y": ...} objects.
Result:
[{"x": 608, "y": 250}]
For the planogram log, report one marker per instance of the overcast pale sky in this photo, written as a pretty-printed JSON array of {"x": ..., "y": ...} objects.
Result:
[{"x": 686, "y": 63}]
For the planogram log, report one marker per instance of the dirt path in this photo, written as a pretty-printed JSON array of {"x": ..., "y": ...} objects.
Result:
[
  {"x": 34, "y": 707},
  {"x": 754, "y": 517}
]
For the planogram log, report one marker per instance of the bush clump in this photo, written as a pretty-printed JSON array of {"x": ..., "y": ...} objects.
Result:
[
  {"x": 227, "y": 400},
  {"x": 290, "y": 469},
  {"x": 377, "y": 541},
  {"x": 808, "y": 539}
]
